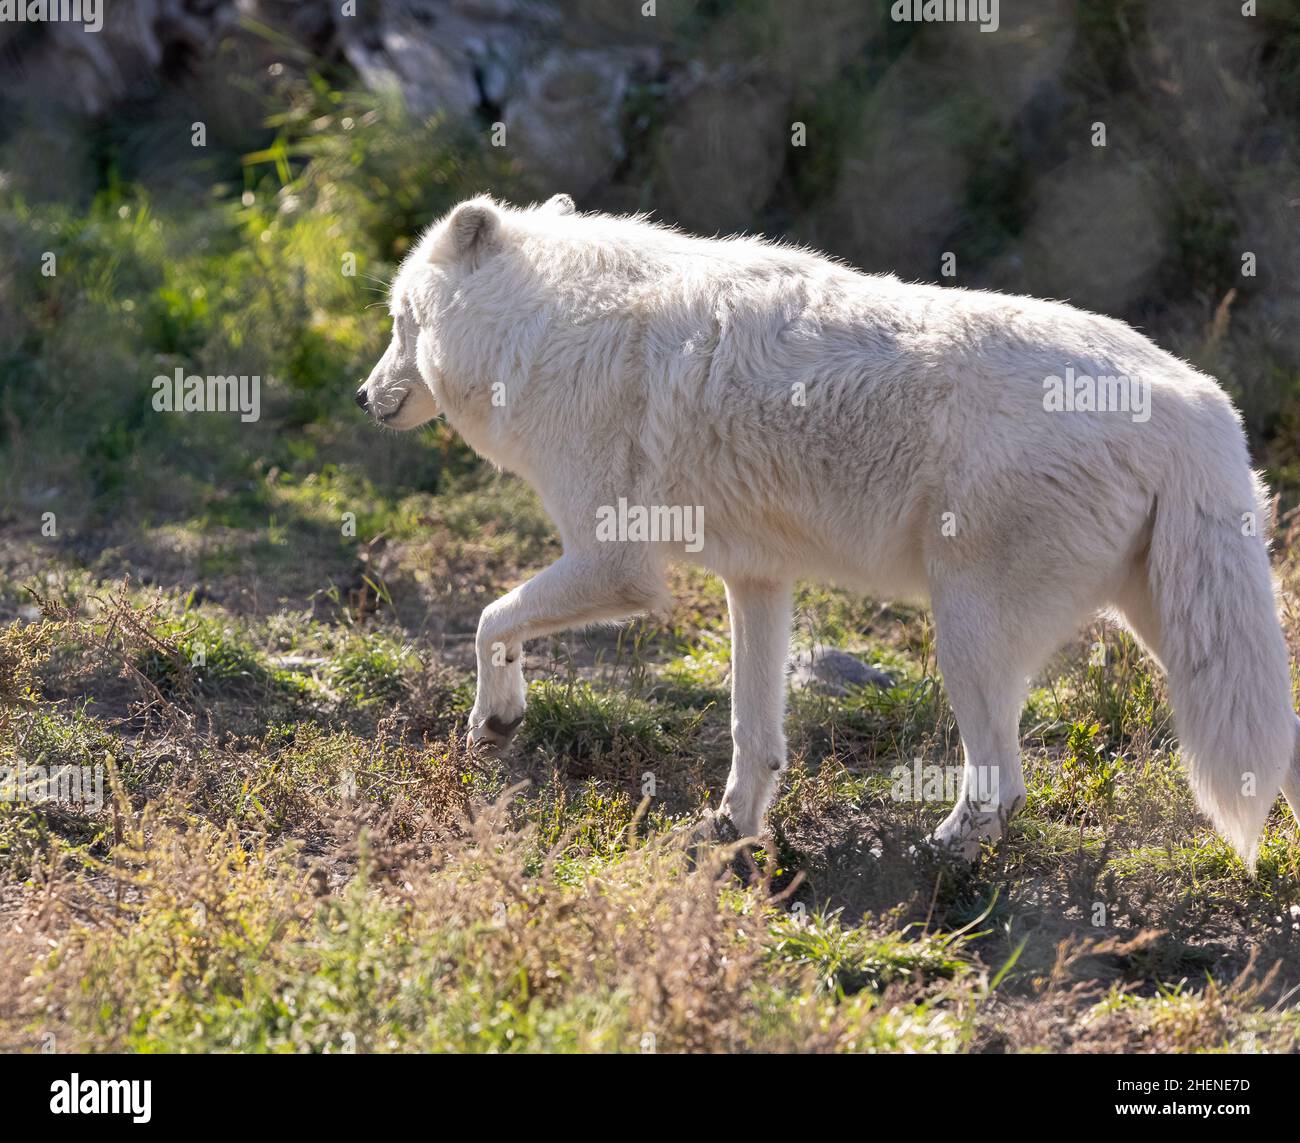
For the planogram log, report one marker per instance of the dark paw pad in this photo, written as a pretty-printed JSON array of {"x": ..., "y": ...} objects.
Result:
[{"x": 503, "y": 729}]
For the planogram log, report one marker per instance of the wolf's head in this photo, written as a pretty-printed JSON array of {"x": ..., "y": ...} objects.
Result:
[{"x": 401, "y": 391}]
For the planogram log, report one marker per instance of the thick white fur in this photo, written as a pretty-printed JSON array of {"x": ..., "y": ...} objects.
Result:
[{"x": 602, "y": 358}]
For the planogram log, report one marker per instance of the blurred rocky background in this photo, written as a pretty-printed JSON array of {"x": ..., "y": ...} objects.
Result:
[{"x": 934, "y": 150}]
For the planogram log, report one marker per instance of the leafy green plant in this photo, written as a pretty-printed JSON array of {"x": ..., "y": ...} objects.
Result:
[
  {"x": 371, "y": 668},
  {"x": 1085, "y": 782}
]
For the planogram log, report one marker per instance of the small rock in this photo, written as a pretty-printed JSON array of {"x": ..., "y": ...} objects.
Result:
[{"x": 832, "y": 672}]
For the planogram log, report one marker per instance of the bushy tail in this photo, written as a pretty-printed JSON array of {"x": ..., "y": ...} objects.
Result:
[{"x": 1223, "y": 650}]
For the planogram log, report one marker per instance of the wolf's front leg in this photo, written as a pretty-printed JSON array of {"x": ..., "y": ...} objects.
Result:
[
  {"x": 760, "y": 644},
  {"x": 575, "y": 591}
]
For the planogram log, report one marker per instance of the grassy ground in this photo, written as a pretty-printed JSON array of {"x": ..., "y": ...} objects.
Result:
[{"x": 296, "y": 853}]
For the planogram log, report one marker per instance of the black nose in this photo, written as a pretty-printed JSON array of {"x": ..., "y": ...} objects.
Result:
[{"x": 361, "y": 398}]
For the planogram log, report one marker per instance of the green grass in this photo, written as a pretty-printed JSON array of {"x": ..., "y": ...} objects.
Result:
[
  {"x": 849, "y": 960},
  {"x": 310, "y": 860},
  {"x": 200, "y": 651},
  {"x": 370, "y": 668},
  {"x": 576, "y": 721}
]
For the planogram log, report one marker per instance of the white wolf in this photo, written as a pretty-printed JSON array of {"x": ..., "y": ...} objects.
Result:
[{"x": 907, "y": 440}]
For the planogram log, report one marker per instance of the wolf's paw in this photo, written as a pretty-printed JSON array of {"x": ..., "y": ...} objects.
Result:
[
  {"x": 958, "y": 846},
  {"x": 714, "y": 828},
  {"x": 492, "y": 732},
  {"x": 715, "y": 836},
  {"x": 960, "y": 836},
  {"x": 963, "y": 832}
]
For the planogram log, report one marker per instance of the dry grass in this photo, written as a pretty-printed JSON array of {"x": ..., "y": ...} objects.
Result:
[{"x": 295, "y": 852}]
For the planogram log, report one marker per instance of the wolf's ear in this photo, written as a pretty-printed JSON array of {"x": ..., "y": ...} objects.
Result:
[
  {"x": 473, "y": 228},
  {"x": 560, "y": 204}
]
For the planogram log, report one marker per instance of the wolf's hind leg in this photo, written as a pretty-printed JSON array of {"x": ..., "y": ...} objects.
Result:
[
  {"x": 1138, "y": 610},
  {"x": 985, "y": 656},
  {"x": 760, "y": 643},
  {"x": 1291, "y": 783}
]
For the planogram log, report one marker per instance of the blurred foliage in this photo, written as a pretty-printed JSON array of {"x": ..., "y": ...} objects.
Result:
[
  {"x": 258, "y": 281},
  {"x": 921, "y": 141}
]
